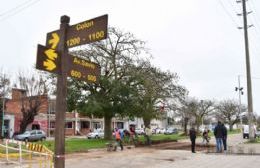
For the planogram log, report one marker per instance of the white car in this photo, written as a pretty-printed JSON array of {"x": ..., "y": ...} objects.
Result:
[
  {"x": 139, "y": 131},
  {"x": 96, "y": 134},
  {"x": 160, "y": 131}
]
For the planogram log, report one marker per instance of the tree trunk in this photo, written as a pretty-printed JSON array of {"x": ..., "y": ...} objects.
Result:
[
  {"x": 185, "y": 125},
  {"x": 1, "y": 120},
  {"x": 230, "y": 127},
  {"x": 146, "y": 122},
  {"x": 107, "y": 129},
  {"x": 23, "y": 127}
]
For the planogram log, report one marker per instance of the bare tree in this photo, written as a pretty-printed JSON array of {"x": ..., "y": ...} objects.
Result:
[
  {"x": 197, "y": 110},
  {"x": 4, "y": 90},
  {"x": 228, "y": 111},
  {"x": 35, "y": 91}
]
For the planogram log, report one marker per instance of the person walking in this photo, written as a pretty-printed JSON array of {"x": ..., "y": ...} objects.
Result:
[
  {"x": 218, "y": 132},
  {"x": 224, "y": 139},
  {"x": 192, "y": 134},
  {"x": 148, "y": 134},
  {"x": 118, "y": 138}
]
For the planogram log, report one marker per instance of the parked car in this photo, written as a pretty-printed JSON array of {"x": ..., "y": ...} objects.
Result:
[
  {"x": 160, "y": 130},
  {"x": 171, "y": 131},
  {"x": 33, "y": 135},
  {"x": 96, "y": 134},
  {"x": 139, "y": 131}
]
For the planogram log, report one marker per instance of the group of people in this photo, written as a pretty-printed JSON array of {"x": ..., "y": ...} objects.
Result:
[
  {"x": 220, "y": 133},
  {"x": 119, "y": 135}
]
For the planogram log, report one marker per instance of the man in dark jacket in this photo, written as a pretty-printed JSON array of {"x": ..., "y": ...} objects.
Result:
[
  {"x": 224, "y": 139},
  {"x": 218, "y": 132},
  {"x": 193, "y": 139}
]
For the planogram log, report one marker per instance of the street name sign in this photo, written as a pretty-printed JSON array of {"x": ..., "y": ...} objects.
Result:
[
  {"x": 82, "y": 33},
  {"x": 83, "y": 69},
  {"x": 49, "y": 60}
]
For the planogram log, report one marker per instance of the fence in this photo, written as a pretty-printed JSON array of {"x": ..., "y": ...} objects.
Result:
[{"x": 21, "y": 154}]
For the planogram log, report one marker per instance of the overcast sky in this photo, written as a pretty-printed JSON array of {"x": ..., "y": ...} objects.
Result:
[{"x": 198, "y": 39}]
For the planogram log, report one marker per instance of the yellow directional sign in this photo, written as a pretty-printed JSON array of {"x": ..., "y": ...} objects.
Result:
[
  {"x": 49, "y": 65},
  {"x": 48, "y": 60},
  {"x": 51, "y": 54},
  {"x": 54, "y": 40}
]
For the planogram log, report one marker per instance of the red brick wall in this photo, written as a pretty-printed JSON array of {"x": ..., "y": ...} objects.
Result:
[
  {"x": 14, "y": 106},
  {"x": 18, "y": 93}
]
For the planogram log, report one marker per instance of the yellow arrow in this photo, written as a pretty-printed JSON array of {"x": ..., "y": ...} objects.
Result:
[
  {"x": 51, "y": 54},
  {"x": 54, "y": 41},
  {"x": 49, "y": 64}
]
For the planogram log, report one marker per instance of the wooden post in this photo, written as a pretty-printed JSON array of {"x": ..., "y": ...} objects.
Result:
[{"x": 61, "y": 104}]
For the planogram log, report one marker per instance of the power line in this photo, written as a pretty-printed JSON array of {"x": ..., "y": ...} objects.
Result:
[
  {"x": 14, "y": 8},
  {"x": 227, "y": 12},
  {"x": 253, "y": 16},
  {"x": 252, "y": 4},
  {"x": 233, "y": 7},
  {"x": 17, "y": 9}
]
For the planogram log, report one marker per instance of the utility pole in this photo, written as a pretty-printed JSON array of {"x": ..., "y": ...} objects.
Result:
[
  {"x": 248, "y": 75},
  {"x": 240, "y": 92}
]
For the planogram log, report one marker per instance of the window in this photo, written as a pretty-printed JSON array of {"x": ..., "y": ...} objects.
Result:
[
  {"x": 52, "y": 105},
  {"x": 68, "y": 125},
  {"x": 35, "y": 127},
  {"x": 96, "y": 125},
  {"x": 33, "y": 133},
  {"x": 120, "y": 125},
  {"x": 52, "y": 124},
  {"x": 84, "y": 124}
]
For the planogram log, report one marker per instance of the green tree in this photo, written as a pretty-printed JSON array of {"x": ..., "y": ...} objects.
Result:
[
  {"x": 112, "y": 95},
  {"x": 155, "y": 88}
]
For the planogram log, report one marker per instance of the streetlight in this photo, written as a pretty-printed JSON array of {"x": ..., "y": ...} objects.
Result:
[{"x": 240, "y": 92}]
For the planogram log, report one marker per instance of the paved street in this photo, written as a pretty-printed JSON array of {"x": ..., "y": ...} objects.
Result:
[{"x": 142, "y": 158}]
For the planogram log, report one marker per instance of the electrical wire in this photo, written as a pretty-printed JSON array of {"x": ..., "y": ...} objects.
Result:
[
  {"x": 253, "y": 17},
  {"x": 228, "y": 13},
  {"x": 14, "y": 8},
  {"x": 17, "y": 9}
]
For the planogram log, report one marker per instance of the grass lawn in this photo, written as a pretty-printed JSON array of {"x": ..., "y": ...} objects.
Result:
[
  {"x": 83, "y": 145},
  {"x": 234, "y": 131},
  {"x": 173, "y": 137},
  {"x": 161, "y": 137},
  {"x": 78, "y": 144}
]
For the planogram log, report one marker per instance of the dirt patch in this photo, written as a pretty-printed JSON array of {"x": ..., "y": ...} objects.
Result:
[{"x": 182, "y": 146}]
